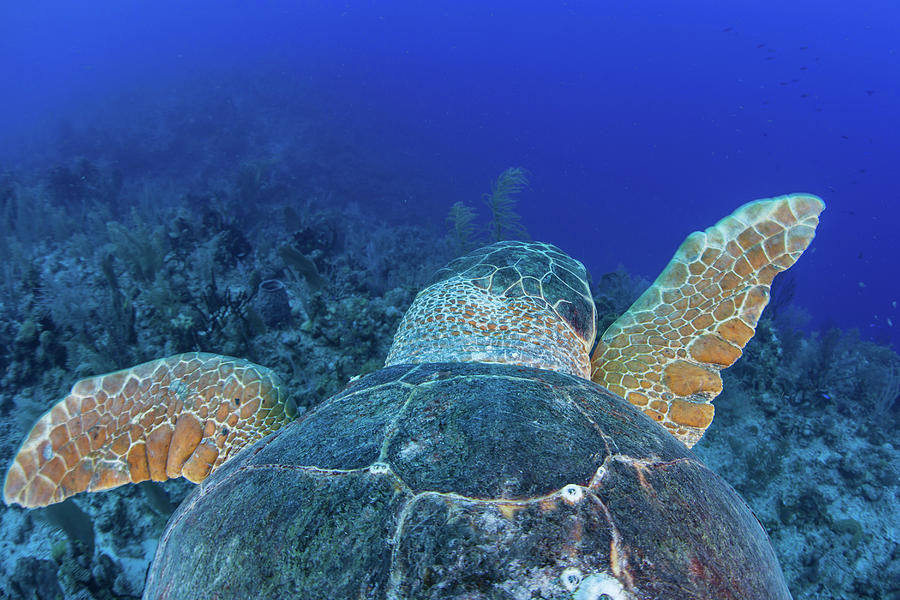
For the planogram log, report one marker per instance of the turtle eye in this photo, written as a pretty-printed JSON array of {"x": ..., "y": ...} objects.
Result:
[{"x": 580, "y": 318}]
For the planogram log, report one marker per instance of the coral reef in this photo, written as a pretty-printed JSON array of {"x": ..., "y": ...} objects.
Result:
[
  {"x": 119, "y": 253},
  {"x": 110, "y": 266},
  {"x": 805, "y": 438}
]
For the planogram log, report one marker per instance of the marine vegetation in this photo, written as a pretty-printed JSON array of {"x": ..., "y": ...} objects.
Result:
[
  {"x": 805, "y": 428},
  {"x": 506, "y": 332},
  {"x": 501, "y": 202},
  {"x": 461, "y": 220}
]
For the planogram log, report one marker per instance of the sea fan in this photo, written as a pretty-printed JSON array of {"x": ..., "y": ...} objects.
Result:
[
  {"x": 461, "y": 218},
  {"x": 502, "y": 204}
]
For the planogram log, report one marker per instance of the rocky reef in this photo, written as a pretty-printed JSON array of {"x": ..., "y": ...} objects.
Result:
[{"x": 113, "y": 261}]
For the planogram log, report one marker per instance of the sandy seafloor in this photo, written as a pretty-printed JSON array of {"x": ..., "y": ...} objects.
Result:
[{"x": 111, "y": 264}]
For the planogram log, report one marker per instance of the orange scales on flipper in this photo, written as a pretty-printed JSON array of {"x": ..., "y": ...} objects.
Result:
[
  {"x": 179, "y": 416},
  {"x": 665, "y": 353}
]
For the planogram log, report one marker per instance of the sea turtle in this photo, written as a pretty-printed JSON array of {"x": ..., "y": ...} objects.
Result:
[{"x": 481, "y": 462}]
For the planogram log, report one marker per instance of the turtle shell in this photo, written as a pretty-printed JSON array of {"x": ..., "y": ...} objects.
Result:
[{"x": 466, "y": 480}]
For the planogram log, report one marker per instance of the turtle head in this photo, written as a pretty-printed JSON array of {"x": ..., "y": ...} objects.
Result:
[{"x": 524, "y": 303}]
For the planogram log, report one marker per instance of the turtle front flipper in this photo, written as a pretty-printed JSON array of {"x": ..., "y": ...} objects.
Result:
[
  {"x": 665, "y": 353},
  {"x": 178, "y": 416}
]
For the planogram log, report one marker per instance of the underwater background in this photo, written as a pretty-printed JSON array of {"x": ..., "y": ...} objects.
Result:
[{"x": 159, "y": 160}]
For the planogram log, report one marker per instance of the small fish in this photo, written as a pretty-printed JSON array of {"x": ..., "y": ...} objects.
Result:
[
  {"x": 890, "y": 322},
  {"x": 894, "y": 304}
]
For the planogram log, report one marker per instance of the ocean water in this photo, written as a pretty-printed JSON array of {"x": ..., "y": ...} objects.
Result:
[
  {"x": 347, "y": 130},
  {"x": 638, "y": 122}
]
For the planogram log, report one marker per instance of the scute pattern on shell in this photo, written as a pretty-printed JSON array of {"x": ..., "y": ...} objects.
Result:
[
  {"x": 466, "y": 480},
  {"x": 514, "y": 302}
]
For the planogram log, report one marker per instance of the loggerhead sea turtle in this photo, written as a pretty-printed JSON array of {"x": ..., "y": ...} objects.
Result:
[{"x": 480, "y": 462}]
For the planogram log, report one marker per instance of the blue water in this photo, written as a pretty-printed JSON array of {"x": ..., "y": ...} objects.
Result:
[{"x": 639, "y": 122}]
